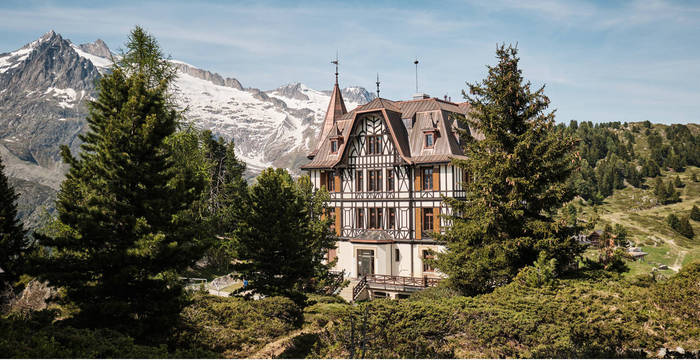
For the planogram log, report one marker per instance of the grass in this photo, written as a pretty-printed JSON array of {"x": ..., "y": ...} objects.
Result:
[{"x": 636, "y": 210}]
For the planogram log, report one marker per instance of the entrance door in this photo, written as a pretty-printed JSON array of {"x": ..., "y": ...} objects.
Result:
[{"x": 365, "y": 262}]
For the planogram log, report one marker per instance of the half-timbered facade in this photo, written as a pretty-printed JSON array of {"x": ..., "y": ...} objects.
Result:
[{"x": 387, "y": 167}]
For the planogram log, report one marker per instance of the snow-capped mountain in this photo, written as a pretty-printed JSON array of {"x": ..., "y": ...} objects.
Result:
[{"x": 44, "y": 86}]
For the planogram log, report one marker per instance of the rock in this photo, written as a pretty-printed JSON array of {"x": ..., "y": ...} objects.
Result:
[
  {"x": 661, "y": 353},
  {"x": 680, "y": 350},
  {"x": 663, "y": 267},
  {"x": 221, "y": 282},
  {"x": 34, "y": 297}
]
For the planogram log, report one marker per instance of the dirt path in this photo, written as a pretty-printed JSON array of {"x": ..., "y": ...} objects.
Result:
[
  {"x": 679, "y": 261},
  {"x": 277, "y": 347}
]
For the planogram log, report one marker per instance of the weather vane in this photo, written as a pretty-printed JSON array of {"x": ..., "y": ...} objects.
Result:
[
  {"x": 378, "y": 84},
  {"x": 336, "y": 66},
  {"x": 416, "y": 63}
]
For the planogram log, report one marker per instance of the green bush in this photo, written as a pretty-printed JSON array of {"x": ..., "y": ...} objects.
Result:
[
  {"x": 38, "y": 337},
  {"x": 596, "y": 314},
  {"x": 235, "y": 327}
]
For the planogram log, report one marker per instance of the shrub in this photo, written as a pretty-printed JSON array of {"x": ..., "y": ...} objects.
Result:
[
  {"x": 235, "y": 327},
  {"x": 38, "y": 337}
]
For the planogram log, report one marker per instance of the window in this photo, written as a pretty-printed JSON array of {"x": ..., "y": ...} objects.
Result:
[
  {"x": 429, "y": 140},
  {"x": 374, "y": 144},
  {"x": 428, "y": 219},
  {"x": 390, "y": 180},
  {"x": 375, "y": 180},
  {"x": 334, "y": 146},
  {"x": 358, "y": 181},
  {"x": 360, "y": 219},
  {"x": 375, "y": 218},
  {"x": 427, "y": 173},
  {"x": 392, "y": 218},
  {"x": 397, "y": 255},
  {"x": 330, "y": 181},
  {"x": 427, "y": 254}
]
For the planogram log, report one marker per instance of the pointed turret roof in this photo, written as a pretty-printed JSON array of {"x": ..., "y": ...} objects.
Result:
[{"x": 336, "y": 109}]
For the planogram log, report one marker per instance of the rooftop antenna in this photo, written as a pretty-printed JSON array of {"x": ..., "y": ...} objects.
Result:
[
  {"x": 378, "y": 84},
  {"x": 336, "y": 66},
  {"x": 416, "y": 63}
]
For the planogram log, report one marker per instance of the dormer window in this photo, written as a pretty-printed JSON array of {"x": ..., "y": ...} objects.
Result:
[
  {"x": 429, "y": 140},
  {"x": 334, "y": 146}
]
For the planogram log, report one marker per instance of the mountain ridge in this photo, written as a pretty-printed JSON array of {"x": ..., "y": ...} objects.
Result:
[{"x": 45, "y": 84}]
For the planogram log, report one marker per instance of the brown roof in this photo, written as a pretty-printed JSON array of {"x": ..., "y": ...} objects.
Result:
[
  {"x": 336, "y": 109},
  {"x": 407, "y": 121}
]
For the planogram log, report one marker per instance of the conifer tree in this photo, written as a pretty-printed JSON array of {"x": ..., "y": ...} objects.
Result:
[
  {"x": 695, "y": 213},
  {"x": 13, "y": 242},
  {"x": 684, "y": 228},
  {"x": 520, "y": 169},
  {"x": 322, "y": 238},
  {"x": 677, "y": 182},
  {"x": 127, "y": 221},
  {"x": 673, "y": 196},
  {"x": 673, "y": 221},
  {"x": 273, "y": 238}
]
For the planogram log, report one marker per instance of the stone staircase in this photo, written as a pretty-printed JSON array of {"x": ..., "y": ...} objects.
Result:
[{"x": 346, "y": 292}]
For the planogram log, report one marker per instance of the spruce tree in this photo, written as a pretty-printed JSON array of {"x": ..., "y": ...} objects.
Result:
[
  {"x": 695, "y": 213},
  {"x": 677, "y": 182},
  {"x": 684, "y": 228},
  {"x": 322, "y": 237},
  {"x": 673, "y": 221},
  {"x": 127, "y": 221},
  {"x": 520, "y": 171},
  {"x": 13, "y": 242},
  {"x": 273, "y": 238},
  {"x": 673, "y": 196}
]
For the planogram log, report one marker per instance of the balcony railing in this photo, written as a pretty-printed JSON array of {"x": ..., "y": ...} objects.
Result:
[{"x": 400, "y": 283}]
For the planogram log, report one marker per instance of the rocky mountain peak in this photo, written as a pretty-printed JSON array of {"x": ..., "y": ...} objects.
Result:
[
  {"x": 291, "y": 91},
  {"x": 97, "y": 48}
]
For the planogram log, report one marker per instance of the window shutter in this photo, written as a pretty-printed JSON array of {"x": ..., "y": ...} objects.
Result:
[
  {"x": 337, "y": 183},
  {"x": 338, "y": 222},
  {"x": 419, "y": 223},
  {"x": 417, "y": 179},
  {"x": 436, "y": 178},
  {"x": 436, "y": 220}
]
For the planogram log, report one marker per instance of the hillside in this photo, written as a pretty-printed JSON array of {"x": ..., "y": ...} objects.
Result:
[{"x": 644, "y": 218}]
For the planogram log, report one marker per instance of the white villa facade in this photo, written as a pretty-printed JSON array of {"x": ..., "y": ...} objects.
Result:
[{"x": 387, "y": 166}]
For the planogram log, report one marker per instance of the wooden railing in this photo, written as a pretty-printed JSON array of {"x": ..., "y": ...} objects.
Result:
[
  {"x": 389, "y": 282},
  {"x": 359, "y": 287}
]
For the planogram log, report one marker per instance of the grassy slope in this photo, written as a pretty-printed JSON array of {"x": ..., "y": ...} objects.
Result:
[{"x": 645, "y": 221}]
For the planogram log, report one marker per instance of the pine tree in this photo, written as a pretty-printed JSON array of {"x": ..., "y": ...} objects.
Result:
[
  {"x": 322, "y": 237},
  {"x": 128, "y": 209},
  {"x": 673, "y": 221},
  {"x": 13, "y": 242},
  {"x": 273, "y": 238},
  {"x": 677, "y": 182},
  {"x": 227, "y": 190},
  {"x": 673, "y": 196},
  {"x": 523, "y": 164},
  {"x": 684, "y": 228},
  {"x": 695, "y": 213}
]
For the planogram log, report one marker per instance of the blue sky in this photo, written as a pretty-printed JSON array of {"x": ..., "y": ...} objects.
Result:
[{"x": 600, "y": 61}]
